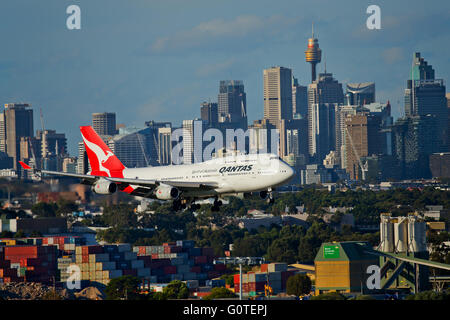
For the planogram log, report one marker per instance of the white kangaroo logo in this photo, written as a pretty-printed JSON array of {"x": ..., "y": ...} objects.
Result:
[{"x": 101, "y": 156}]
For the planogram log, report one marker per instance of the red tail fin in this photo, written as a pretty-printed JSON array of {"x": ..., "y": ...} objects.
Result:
[{"x": 103, "y": 162}]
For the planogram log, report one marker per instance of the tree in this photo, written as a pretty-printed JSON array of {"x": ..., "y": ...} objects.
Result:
[
  {"x": 220, "y": 293},
  {"x": 66, "y": 207},
  {"x": 119, "y": 216},
  {"x": 20, "y": 234},
  {"x": 329, "y": 296},
  {"x": 229, "y": 279},
  {"x": 44, "y": 209},
  {"x": 176, "y": 290},
  {"x": 430, "y": 295},
  {"x": 124, "y": 287},
  {"x": 298, "y": 285}
]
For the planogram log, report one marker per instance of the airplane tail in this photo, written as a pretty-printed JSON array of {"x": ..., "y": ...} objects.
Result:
[{"x": 103, "y": 162}]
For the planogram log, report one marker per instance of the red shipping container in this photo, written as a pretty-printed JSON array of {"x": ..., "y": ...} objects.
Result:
[
  {"x": 202, "y": 294},
  {"x": 207, "y": 251},
  {"x": 142, "y": 251},
  {"x": 220, "y": 267},
  {"x": 236, "y": 278},
  {"x": 200, "y": 260},
  {"x": 264, "y": 267},
  {"x": 170, "y": 270},
  {"x": 31, "y": 262},
  {"x": 22, "y": 251},
  {"x": 131, "y": 272},
  {"x": 86, "y": 250}
]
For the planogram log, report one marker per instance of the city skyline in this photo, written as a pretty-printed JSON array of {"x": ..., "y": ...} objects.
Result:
[{"x": 149, "y": 69}]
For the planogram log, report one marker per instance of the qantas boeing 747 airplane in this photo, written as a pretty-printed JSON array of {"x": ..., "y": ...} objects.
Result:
[{"x": 184, "y": 184}]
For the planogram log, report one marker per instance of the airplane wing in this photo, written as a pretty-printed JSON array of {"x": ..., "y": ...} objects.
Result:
[{"x": 91, "y": 179}]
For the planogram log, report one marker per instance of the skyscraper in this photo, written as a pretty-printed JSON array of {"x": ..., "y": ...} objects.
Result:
[
  {"x": 277, "y": 94},
  {"x": 104, "y": 123},
  {"x": 426, "y": 95},
  {"x": 232, "y": 103},
  {"x": 263, "y": 137},
  {"x": 209, "y": 113},
  {"x": 193, "y": 141},
  {"x": 18, "y": 123},
  {"x": 83, "y": 165},
  {"x": 362, "y": 139},
  {"x": 322, "y": 130},
  {"x": 165, "y": 146},
  {"x": 360, "y": 93},
  {"x": 299, "y": 99},
  {"x": 135, "y": 147},
  {"x": 414, "y": 140},
  {"x": 324, "y": 95},
  {"x": 52, "y": 143}
]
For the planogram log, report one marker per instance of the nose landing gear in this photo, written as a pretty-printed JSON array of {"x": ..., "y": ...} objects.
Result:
[{"x": 270, "y": 198}]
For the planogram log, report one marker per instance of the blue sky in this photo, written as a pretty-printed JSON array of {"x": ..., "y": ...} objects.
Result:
[{"x": 158, "y": 60}]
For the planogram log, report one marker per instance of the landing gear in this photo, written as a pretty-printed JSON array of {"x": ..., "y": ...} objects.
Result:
[
  {"x": 178, "y": 205},
  {"x": 216, "y": 205},
  {"x": 270, "y": 198}
]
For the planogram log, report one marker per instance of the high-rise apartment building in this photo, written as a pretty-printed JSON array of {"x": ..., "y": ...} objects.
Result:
[
  {"x": 104, "y": 123},
  {"x": 277, "y": 94}
]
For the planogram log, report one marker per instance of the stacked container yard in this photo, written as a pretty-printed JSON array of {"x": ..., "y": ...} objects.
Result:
[
  {"x": 273, "y": 274},
  {"x": 179, "y": 260},
  {"x": 28, "y": 263},
  {"x": 66, "y": 244},
  {"x": 102, "y": 263},
  {"x": 7, "y": 274}
]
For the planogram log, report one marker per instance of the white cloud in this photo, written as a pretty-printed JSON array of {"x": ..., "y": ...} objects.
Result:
[
  {"x": 212, "y": 32},
  {"x": 214, "y": 68}
]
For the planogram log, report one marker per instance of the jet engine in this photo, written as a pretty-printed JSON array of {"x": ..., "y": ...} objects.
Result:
[
  {"x": 103, "y": 186},
  {"x": 166, "y": 192}
]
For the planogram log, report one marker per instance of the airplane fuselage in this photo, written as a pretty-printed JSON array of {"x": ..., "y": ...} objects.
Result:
[{"x": 233, "y": 174}]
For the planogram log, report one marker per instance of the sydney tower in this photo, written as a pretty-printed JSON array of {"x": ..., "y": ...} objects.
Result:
[{"x": 313, "y": 54}]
